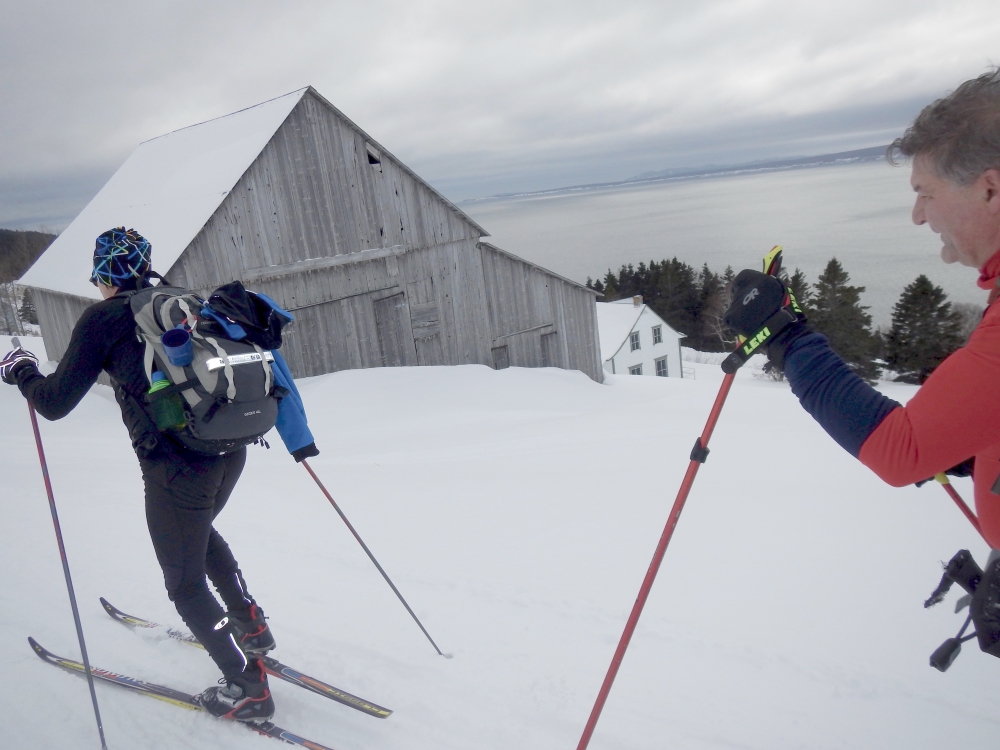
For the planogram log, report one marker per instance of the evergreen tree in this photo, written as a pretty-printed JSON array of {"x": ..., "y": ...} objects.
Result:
[
  {"x": 610, "y": 287},
  {"x": 925, "y": 330},
  {"x": 712, "y": 297},
  {"x": 799, "y": 287},
  {"x": 28, "y": 313},
  {"x": 836, "y": 311},
  {"x": 674, "y": 296}
]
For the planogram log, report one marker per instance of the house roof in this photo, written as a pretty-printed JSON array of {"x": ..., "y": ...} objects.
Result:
[
  {"x": 616, "y": 320},
  {"x": 167, "y": 189}
]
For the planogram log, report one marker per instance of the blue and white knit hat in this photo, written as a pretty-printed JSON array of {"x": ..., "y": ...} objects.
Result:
[{"x": 120, "y": 255}]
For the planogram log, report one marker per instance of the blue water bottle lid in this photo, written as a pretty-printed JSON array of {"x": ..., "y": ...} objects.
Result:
[{"x": 157, "y": 375}]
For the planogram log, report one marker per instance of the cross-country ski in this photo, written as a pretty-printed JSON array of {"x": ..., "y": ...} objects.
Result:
[
  {"x": 166, "y": 694},
  {"x": 272, "y": 665}
]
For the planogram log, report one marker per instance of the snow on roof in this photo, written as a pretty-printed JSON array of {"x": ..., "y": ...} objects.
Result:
[
  {"x": 166, "y": 190},
  {"x": 615, "y": 321}
]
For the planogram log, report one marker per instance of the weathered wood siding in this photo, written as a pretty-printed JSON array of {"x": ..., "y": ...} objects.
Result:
[
  {"x": 436, "y": 292},
  {"x": 57, "y": 316},
  {"x": 314, "y": 193},
  {"x": 537, "y": 318}
]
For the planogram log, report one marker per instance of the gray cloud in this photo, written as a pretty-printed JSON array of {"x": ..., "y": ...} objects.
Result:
[{"x": 478, "y": 98}]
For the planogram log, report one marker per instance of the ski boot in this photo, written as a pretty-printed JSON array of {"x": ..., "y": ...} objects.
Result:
[
  {"x": 251, "y": 631},
  {"x": 245, "y": 697}
]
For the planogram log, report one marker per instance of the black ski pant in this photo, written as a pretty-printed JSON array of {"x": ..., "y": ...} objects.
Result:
[{"x": 184, "y": 494}]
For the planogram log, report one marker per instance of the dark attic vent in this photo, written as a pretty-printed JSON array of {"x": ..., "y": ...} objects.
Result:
[{"x": 373, "y": 155}]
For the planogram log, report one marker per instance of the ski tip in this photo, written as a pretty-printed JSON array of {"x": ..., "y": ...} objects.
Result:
[
  {"x": 448, "y": 656},
  {"x": 37, "y": 647}
]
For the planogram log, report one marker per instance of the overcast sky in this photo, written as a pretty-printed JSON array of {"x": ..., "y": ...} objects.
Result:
[{"x": 478, "y": 98}]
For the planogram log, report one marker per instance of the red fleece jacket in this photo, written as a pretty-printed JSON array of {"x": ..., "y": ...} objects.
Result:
[{"x": 954, "y": 415}]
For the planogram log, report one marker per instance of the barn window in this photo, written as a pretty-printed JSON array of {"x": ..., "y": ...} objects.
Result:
[
  {"x": 637, "y": 370},
  {"x": 373, "y": 154},
  {"x": 657, "y": 334},
  {"x": 633, "y": 340},
  {"x": 661, "y": 367}
]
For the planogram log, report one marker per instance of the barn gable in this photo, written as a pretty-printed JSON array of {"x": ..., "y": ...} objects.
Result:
[{"x": 321, "y": 188}]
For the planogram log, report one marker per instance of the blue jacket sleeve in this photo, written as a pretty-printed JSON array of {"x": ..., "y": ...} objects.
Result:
[
  {"x": 844, "y": 405},
  {"x": 292, "y": 425}
]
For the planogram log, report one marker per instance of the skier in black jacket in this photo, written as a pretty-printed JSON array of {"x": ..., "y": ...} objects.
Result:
[{"x": 184, "y": 491}]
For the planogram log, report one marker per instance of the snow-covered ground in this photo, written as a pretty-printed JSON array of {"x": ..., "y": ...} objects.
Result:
[{"x": 517, "y": 511}]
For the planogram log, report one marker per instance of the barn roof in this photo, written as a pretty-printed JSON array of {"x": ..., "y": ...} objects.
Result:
[{"x": 168, "y": 188}]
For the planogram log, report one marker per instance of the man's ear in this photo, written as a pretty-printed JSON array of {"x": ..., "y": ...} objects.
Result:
[{"x": 991, "y": 184}]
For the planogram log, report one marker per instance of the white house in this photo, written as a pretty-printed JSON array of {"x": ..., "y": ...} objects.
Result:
[{"x": 637, "y": 341}]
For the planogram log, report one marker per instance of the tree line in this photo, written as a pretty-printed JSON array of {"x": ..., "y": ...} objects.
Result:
[
  {"x": 18, "y": 250},
  {"x": 925, "y": 327}
]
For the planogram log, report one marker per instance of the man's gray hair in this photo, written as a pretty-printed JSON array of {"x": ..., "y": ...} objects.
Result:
[{"x": 960, "y": 133}]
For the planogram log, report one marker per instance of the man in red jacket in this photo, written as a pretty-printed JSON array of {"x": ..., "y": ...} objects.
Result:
[{"x": 954, "y": 145}]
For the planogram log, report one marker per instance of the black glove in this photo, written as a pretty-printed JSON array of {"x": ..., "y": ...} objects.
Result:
[
  {"x": 306, "y": 451},
  {"x": 963, "y": 469},
  {"x": 765, "y": 314},
  {"x": 13, "y": 361}
]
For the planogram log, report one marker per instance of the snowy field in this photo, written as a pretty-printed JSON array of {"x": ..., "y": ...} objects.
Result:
[{"x": 517, "y": 511}]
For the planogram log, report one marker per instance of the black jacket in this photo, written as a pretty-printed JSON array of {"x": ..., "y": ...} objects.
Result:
[{"x": 104, "y": 339}]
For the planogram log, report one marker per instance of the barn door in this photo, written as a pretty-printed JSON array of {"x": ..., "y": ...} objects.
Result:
[{"x": 392, "y": 324}]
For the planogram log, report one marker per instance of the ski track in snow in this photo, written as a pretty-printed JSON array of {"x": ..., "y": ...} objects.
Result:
[{"x": 517, "y": 511}]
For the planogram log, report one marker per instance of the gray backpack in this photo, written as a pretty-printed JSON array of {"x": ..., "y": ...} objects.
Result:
[{"x": 228, "y": 390}]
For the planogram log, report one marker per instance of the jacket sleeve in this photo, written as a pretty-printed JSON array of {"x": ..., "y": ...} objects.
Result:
[
  {"x": 846, "y": 407},
  {"x": 292, "y": 425},
  {"x": 954, "y": 415},
  {"x": 93, "y": 337}
]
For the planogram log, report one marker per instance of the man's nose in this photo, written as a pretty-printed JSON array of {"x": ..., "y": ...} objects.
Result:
[{"x": 918, "y": 213}]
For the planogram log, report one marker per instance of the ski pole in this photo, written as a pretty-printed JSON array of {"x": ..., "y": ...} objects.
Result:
[
  {"x": 65, "y": 564},
  {"x": 372, "y": 557},
  {"x": 698, "y": 455},
  {"x": 953, "y": 494}
]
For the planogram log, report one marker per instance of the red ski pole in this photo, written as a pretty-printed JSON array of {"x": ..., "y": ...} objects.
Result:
[
  {"x": 953, "y": 494},
  {"x": 772, "y": 264},
  {"x": 698, "y": 455}
]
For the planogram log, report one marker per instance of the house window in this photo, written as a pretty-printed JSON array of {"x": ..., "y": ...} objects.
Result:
[
  {"x": 637, "y": 370},
  {"x": 657, "y": 334},
  {"x": 633, "y": 340},
  {"x": 661, "y": 367}
]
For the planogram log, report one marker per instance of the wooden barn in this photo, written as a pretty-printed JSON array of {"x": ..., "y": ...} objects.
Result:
[{"x": 298, "y": 202}]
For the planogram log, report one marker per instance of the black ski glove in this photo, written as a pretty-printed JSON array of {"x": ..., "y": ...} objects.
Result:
[
  {"x": 963, "y": 469},
  {"x": 13, "y": 361},
  {"x": 765, "y": 313},
  {"x": 306, "y": 451}
]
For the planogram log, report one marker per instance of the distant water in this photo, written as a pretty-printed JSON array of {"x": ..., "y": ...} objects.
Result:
[{"x": 858, "y": 213}]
